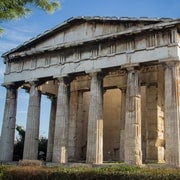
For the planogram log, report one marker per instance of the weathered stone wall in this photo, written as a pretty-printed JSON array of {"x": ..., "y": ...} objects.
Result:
[{"x": 111, "y": 117}]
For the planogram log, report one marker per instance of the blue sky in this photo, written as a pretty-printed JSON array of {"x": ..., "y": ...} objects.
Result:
[{"x": 18, "y": 31}]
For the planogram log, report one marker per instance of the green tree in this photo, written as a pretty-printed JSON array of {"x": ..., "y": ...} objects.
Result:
[
  {"x": 13, "y": 9},
  {"x": 19, "y": 145},
  {"x": 42, "y": 149}
]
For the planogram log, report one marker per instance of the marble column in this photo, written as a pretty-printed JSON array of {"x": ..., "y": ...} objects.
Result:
[
  {"x": 154, "y": 124},
  {"x": 60, "y": 148},
  {"x": 172, "y": 113},
  {"x": 133, "y": 154},
  {"x": 51, "y": 128},
  {"x": 122, "y": 123},
  {"x": 33, "y": 122},
  {"x": 8, "y": 127},
  {"x": 95, "y": 121}
]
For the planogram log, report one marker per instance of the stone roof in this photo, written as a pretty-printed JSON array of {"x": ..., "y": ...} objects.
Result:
[{"x": 72, "y": 20}]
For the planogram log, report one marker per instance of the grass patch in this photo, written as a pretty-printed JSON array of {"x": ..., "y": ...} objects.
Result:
[
  {"x": 30, "y": 163},
  {"x": 89, "y": 173},
  {"x": 2, "y": 168}
]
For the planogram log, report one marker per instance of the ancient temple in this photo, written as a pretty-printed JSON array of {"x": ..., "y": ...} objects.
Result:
[{"x": 114, "y": 84}]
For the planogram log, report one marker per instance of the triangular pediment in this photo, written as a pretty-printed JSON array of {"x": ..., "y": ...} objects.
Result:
[{"x": 82, "y": 29}]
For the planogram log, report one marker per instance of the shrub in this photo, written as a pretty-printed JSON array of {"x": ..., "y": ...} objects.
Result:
[
  {"x": 88, "y": 173},
  {"x": 2, "y": 169},
  {"x": 27, "y": 162}
]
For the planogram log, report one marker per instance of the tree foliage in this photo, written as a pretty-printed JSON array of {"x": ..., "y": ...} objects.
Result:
[
  {"x": 21, "y": 133},
  {"x": 42, "y": 149},
  {"x": 19, "y": 145},
  {"x": 10, "y": 9},
  {"x": 13, "y": 9}
]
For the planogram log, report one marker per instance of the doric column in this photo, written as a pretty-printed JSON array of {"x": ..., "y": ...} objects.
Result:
[
  {"x": 51, "y": 128},
  {"x": 60, "y": 149},
  {"x": 33, "y": 122},
  {"x": 172, "y": 113},
  {"x": 133, "y": 154},
  {"x": 122, "y": 123},
  {"x": 95, "y": 121},
  {"x": 154, "y": 124},
  {"x": 8, "y": 127}
]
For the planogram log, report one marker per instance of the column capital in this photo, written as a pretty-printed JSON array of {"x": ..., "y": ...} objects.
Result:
[
  {"x": 33, "y": 83},
  {"x": 64, "y": 79},
  {"x": 36, "y": 85},
  {"x": 36, "y": 82},
  {"x": 93, "y": 71},
  {"x": 10, "y": 86},
  {"x": 123, "y": 89},
  {"x": 99, "y": 74},
  {"x": 170, "y": 64},
  {"x": 131, "y": 67},
  {"x": 92, "y": 74}
]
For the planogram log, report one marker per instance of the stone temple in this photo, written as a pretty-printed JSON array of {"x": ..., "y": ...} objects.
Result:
[{"x": 114, "y": 84}]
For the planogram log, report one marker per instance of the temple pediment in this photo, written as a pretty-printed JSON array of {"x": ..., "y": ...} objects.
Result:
[
  {"x": 81, "y": 29},
  {"x": 86, "y": 29}
]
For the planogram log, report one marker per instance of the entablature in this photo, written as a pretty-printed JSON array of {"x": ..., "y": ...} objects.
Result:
[{"x": 151, "y": 43}]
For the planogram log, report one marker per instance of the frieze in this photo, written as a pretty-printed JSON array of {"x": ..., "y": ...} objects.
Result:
[
  {"x": 33, "y": 63},
  {"x": 80, "y": 59},
  {"x": 47, "y": 60},
  {"x": 83, "y": 78},
  {"x": 146, "y": 69},
  {"x": 117, "y": 73},
  {"x": 62, "y": 59},
  {"x": 77, "y": 55}
]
